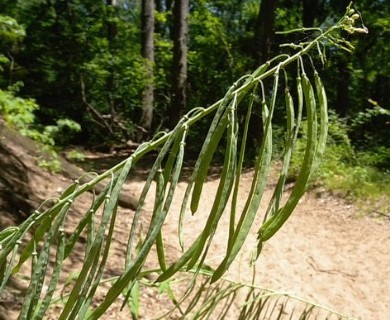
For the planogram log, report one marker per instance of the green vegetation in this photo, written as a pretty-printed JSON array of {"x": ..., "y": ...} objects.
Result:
[
  {"x": 361, "y": 176},
  {"x": 54, "y": 237},
  {"x": 20, "y": 113},
  {"x": 83, "y": 63},
  {"x": 68, "y": 43}
]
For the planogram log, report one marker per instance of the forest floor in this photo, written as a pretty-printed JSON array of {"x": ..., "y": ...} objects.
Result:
[{"x": 328, "y": 252}]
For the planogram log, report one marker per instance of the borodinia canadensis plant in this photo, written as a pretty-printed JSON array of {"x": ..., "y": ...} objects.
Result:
[{"x": 45, "y": 240}]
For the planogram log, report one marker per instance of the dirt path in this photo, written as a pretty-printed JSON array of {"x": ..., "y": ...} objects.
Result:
[{"x": 326, "y": 253}]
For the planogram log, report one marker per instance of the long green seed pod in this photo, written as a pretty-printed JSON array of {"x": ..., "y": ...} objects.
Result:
[
  {"x": 160, "y": 205},
  {"x": 54, "y": 278},
  {"x": 214, "y": 216},
  {"x": 133, "y": 269},
  {"x": 300, "y": 107},
  {"x": 91, "y": 261},
  {"x": 323, "y": 106},
  {"x": 156, "y": 166},
  {"x": 205, "y": 155},
  {"x": 271, "y": 226},
  {"x": 224, "y": 186},
  {"x": 205, "y": 163},
  {"x": 159, "y": 200},
  {"x": 273, "y": 205},
  {"x": 98, "y": 273},
  {"x": 85, "y": 221},
  {"x": 210, "y": 138},
  {"x": 239, "y": 166},
  {"x": 193, "y": 252},
  {"x": 258, "y": 185},
  {"x": 30, "y": 304}
]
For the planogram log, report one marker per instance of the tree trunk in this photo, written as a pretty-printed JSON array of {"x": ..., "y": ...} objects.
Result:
[
  {"x": 264, "y": 29},
  {"x": 264, "y": 33},
  {"x": 112, "y": 29},
  {"x": 309, "y": 12},
  {"x": 17, "y": 195},
  {"x": 148, "y": 54},
  {"x": 112, "y": 32},
  {"x": 180, "y": 50},
  {"x": 159, "y": 26},
  {"x": 168, "y": 5}
]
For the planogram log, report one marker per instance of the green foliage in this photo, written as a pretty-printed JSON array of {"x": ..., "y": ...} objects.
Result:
[
  {"x": 368, "y": 131},
  {"x": 10, "y": 31},
  {"x": 75, "y": 155},
  {"x": 209, "y": 78},
  {"x": 10, "y": 34},
  {"x": 349, "y": 171},
  {"x": 114, "y": 77},
  {"x": 19, "y": 113},
  {"x": 97, "y": 224},
  {"x": 229, "y": 299},
  {"x": 79, "y": 56},
  {"x": 50, "y": 161},
  {"x": 69, "y": 41},
  {"x": 16, "y": 111}
]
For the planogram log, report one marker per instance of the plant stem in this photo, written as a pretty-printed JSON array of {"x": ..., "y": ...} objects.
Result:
[{"x": 240, "y": 91}]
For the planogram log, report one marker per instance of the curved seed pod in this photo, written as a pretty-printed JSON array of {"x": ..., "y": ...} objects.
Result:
[
  {"x": 195, "y": 249},
  {"x": 155, "y": 227},
  {"x": 300, "y": 107},
  {"x": 91, "y": 260},
  {"x": 271, "y": 226},
  {"x": 91, "y": 263},
  {"x": 180, "y": 263},
  {"x": 224, "y": 186},
  {"x": 38, "y": 273},
  {"x": 258, "y": 185},
  {"x": 160, "y": 193},
  {"x": 90, "y": 269},
  {"x": 323, "y": 106},
  {"x": 215, "y": 123},
  {"x": 86, "y": 221},
  {"x": 273, "y": 205},
  {"x": 60, "y": 256},
  {"x": 157, "y": 164},
  {"x": 205, "y": 163},
  {"x": 252, "y": 203},
  {"x": 174, "y": 180},
  {"x": 239, "y": 166},
  {"x": 80, "y": 306},
  {"x": 96, "y": 273},
  {"x": 210, "y": 137},
  {"x": 38, "y": 235}
]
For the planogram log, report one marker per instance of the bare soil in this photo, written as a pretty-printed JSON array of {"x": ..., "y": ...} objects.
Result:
[{"x": 328, "y": 252}]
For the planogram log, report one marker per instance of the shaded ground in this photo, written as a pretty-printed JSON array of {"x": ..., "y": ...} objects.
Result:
[{"x": 326, "y": 253}]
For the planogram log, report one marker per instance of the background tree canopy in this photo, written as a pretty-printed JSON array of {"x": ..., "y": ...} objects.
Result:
[
  {"x": 88, "y": 61},
  {"x": 92, "y": 73}
]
